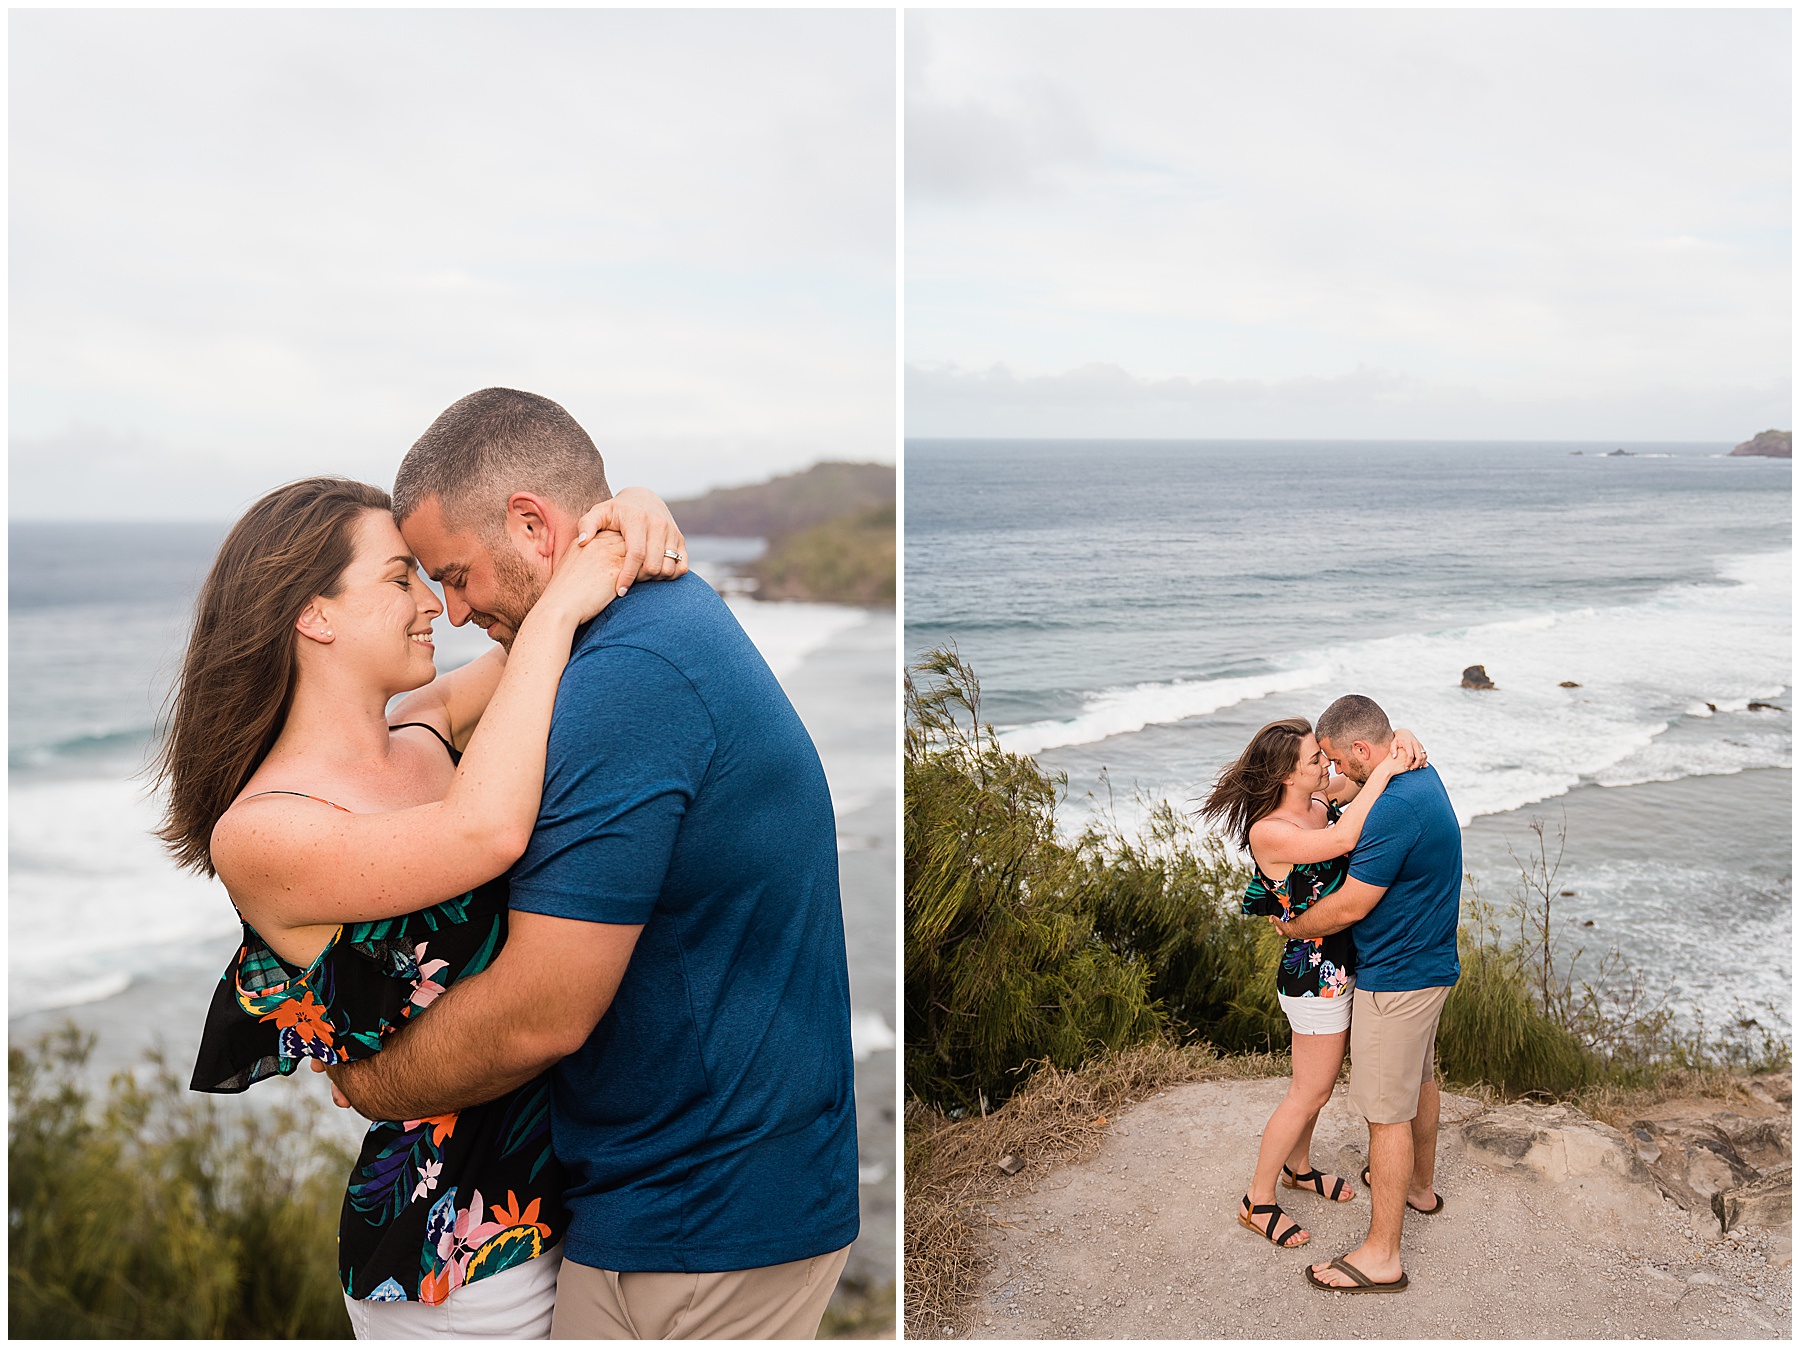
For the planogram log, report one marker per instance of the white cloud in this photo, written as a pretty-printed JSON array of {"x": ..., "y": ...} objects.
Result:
[
  {"x": 272, "y": 241},
  {"x": 1559, "y": 213}
]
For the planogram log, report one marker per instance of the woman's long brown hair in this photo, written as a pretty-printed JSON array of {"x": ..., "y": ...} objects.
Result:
[
  {"x": 1251, "y": 788},
  {"x": 237, "y": 680}
]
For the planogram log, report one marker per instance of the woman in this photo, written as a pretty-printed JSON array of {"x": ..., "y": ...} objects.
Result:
[
  {"x": 1299, "y": 823},
  {"x": 362, "y": 852}
]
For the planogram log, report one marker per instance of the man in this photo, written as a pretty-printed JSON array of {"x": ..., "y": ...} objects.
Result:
[
  {"x": 676, "y": 945},
  {"x": 1402, "y": 895}
]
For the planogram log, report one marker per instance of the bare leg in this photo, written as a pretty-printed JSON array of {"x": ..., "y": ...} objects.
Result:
[
  {"x": 1288, "y": 1133},
  {"x": 1390, "y": 1169},
  {"x": 1423, "y": 1193}
]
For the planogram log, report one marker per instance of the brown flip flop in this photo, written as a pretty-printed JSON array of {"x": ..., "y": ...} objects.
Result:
[
  {"x": 1423, "y": 1212},
  {"x": 1363, "y": 1282}
]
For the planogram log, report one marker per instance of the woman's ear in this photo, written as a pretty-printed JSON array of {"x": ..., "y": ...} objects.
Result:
[{"x": 315, "y": 623}]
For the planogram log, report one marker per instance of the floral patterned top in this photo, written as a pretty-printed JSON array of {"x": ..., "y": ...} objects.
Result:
[
  {"x": 1316, "y": 967},
  {"x": 432, "y": 1203}
]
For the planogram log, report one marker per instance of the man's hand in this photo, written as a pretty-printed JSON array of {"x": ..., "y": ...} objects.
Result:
[
  {"x": 337, "y": 1096},
  {"x": 539, "y": 1000},
  {"x": 654, "y": 546},
  {"x": 1334, "y": 912}
]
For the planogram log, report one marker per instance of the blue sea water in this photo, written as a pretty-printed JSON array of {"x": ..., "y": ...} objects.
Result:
[
  {"x": 1135, "y": 610},
  {"x": 97, "y": 620}
]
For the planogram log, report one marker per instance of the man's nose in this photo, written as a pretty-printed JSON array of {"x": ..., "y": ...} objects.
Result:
[{"x": 454, "y": 608}]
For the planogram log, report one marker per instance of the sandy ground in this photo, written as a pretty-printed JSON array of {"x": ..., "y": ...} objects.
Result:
[{"x": 1140, "y": 1241}]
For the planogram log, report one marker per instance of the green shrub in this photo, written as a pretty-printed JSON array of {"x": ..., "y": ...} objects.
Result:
[
  {"x": 1003, "y": 964},
  {"x": 146, "y": 1216},
  {"x": 1170, "y": 897},
  {"x": 1494, "y": 1029},
  {"x": 850, "y": 560}
]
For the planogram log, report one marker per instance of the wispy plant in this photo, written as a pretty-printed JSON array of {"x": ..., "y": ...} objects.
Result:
[
  {"x": 1004, "y": 966},
  {"x": 146, "y": 1215}
]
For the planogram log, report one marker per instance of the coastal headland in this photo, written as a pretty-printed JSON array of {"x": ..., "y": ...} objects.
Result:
[
  {"x": 1766, "y": 444},
  {"x": 830, "y": 532}
]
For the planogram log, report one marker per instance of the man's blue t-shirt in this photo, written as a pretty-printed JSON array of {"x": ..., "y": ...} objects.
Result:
[
  {"x": 709, "y": 1122},
  {"x": 1410, "y": 846}
]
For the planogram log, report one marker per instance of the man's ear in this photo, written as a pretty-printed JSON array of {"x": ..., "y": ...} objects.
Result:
[{"x": 530, "y": 523}]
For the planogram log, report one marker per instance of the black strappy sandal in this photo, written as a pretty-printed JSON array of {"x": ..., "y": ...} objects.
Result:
[
  {"x": 1286, "y": 1241},
  {"x": 1436, "y": 1207},
  {"x": 1314, "y": 1180}
]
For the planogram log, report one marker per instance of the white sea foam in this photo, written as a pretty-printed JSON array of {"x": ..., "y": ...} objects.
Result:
[
  {"x": 1641, "y": 668},
  {"x": 92, "y": 894},
  {"x": 786, "y": 634},
  {"x": 1124, "y": 711},
  {"x": 870, "y": 1034}
]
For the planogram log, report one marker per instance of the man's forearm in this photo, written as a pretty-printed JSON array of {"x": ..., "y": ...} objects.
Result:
[
  {"x": 463, "y": 1052},
  {"x": 1322, "y": 919}
]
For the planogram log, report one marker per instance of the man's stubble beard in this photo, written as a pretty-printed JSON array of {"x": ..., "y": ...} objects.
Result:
[{"x": 519, "y": 590}]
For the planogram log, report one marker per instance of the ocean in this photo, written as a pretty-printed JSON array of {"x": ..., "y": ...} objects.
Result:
[
  {"x": 1134, "y": 610},
  {"x": 104, "y": 929}
]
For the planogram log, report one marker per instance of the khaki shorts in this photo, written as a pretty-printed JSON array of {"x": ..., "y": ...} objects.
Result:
[
  {"x": 1393, "y": 1049},
  {"x": 782, "y": 1301}
]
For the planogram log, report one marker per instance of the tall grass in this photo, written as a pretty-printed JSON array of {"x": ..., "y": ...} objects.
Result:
[
  {"x": 145, "y": 1215},
  {"x": 1004, "y": 966}
]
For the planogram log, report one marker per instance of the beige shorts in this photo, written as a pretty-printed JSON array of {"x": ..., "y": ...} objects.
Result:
[
  {"x": 1393, "y": 1049},
  {"x": 782, "y": 1301}
]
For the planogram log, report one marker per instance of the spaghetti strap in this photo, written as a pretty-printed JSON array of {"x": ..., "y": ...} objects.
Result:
[
  {"x": 455, "y": 753},
  {"x": 303, "y": 796}
]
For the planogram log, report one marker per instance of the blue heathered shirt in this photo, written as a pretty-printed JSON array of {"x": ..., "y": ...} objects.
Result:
[
  {"x": 709, "y": 1121},
  {"x": 1412, "y": 847}
]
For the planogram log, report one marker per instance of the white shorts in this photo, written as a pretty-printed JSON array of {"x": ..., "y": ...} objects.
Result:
[
  {"x": 516, "y": 1304},
  {"x": 1319, "y": 1015}
]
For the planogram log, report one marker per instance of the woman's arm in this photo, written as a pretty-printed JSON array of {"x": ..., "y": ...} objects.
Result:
[
  {"x": 454, "y": 701},
  {"x": 1283, "y": 841},
  {"x": 293, "y": 862}
]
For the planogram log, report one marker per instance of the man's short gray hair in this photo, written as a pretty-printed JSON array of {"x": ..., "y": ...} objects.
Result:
[
  {"x": 1354, "y": 717},
  {"x": 487, "y": 446}
]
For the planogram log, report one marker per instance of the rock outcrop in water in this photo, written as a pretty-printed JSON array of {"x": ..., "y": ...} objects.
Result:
[
  {"x": 1476, "y": 676},
  {"x": 1766, "y": 445}
]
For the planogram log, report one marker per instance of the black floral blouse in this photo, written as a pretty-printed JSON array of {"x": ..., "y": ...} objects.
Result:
[
  {"x": 1320, "y": 966},
  {"x": 433, "y": 1203}
]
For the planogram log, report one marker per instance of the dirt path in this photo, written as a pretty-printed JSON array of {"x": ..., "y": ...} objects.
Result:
[{"x": 1139, "y": 1241}]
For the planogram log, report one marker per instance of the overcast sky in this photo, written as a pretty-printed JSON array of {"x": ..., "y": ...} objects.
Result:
[
  {"x": 254, "y": 245},
  {"x": 1406, "y": 223}
]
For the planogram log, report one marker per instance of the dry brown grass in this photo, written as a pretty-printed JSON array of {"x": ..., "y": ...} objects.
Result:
[
  {"x": 1621, "y": 1106},
  {"x": 952, "y": 1165}
]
